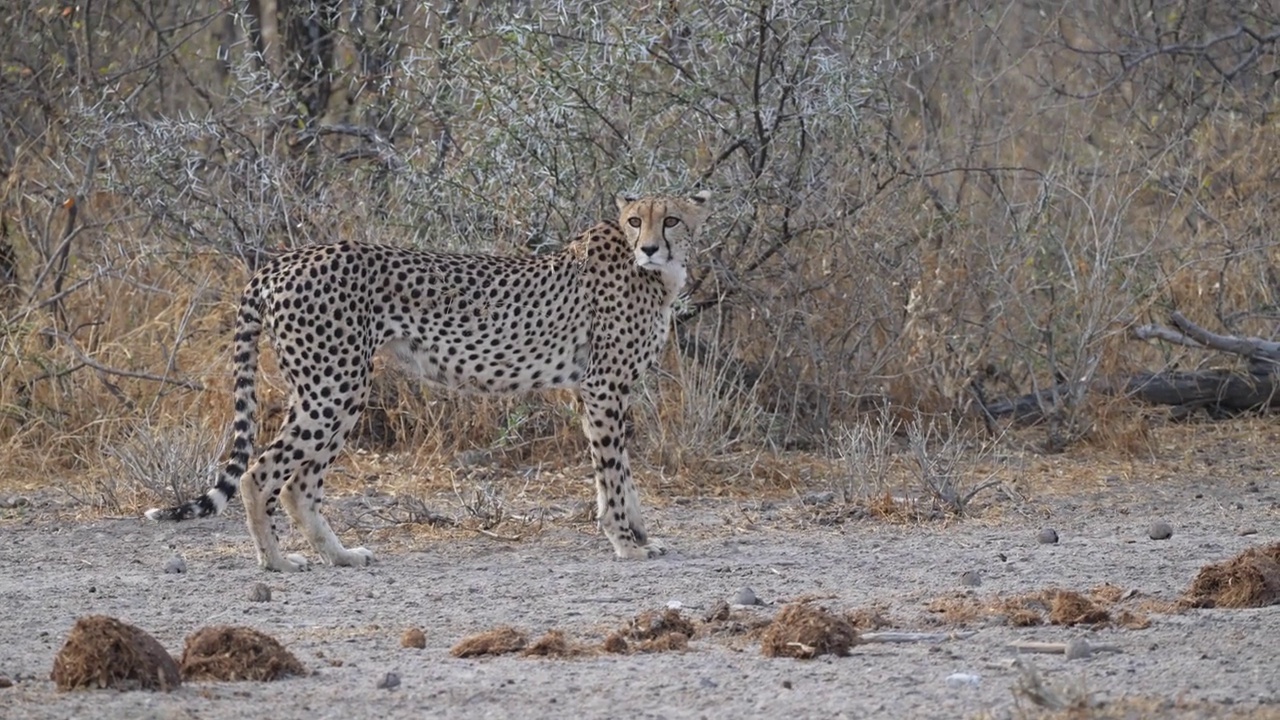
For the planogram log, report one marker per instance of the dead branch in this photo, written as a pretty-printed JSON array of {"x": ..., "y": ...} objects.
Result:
[
  {"x": 1222, "y": 393},
  {"x": 1079, "y": 647},
  {"x": 95, "y": 365},
  {"x": 893, "y": 636}
]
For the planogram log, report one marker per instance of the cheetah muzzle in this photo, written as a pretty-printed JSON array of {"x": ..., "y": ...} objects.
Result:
[{"x": 592, "y": 317}]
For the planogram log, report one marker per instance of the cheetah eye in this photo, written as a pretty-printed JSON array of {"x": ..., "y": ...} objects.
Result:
[
  {"x": 634, "y": 222},
  {"x": 671, "y": 222}
]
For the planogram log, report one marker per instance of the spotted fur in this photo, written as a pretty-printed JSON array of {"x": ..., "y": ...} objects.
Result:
[{"x": 592, "y": 317}]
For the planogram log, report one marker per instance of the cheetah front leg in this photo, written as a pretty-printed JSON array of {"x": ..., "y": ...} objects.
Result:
[{"x": 617, "y": 506}]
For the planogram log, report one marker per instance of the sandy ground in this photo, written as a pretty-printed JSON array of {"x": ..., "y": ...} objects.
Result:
[{"x": 345, "y": 624}]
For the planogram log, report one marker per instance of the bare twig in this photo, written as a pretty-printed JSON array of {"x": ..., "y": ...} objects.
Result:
[
  {"x": 95, "y": 365},
  {"x": 894, "y": 636}
]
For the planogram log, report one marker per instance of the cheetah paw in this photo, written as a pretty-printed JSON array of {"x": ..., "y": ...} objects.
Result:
[
  {"x": 355, "y": 557},
  {"x": 289, "y": 563},
  {"x": 642, "y": 552}
]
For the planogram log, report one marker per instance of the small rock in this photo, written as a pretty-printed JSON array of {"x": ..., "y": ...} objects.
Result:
[
  {"x": 1245, "y": 532},
  {"x": 1078, "y": 649},
  {"x": 5, "y": 682},
  {"x": 971, "y": 578},
  {"x": 786, "y": 684},
  {"x": 175, "y": 565},
  {"x": 259, "y": 592},
  {"x": 389, "y": 681},
  {"x": 819, "y": 498},
  {"x": 744, "y": 596},
  {"x": 413, "y": 638},
  {"x": 1048, "y": 536},
  {"x": 960, "y": 680},
  {"x": 1160, "y": 530},
  {"x": 708, "y": 683}
]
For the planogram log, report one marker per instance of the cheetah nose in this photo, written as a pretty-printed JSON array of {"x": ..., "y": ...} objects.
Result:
[{"x": 649, "y": 249}]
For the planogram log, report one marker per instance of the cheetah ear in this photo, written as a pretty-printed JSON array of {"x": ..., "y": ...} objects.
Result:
[
  {"x": 624, "y": 200},
  {"x": 701, "y": 197}
]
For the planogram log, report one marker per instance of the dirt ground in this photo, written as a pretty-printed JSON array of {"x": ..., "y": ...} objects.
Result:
[{"x": 345, "y": 624}]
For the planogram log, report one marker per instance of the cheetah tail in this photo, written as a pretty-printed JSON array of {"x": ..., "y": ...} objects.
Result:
[{"x": 244, "y": 428}]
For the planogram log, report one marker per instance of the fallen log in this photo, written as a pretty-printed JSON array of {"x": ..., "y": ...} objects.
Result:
[{"x": 1220, "y": 393}]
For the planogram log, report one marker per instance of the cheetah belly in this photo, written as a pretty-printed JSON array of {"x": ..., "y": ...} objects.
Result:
[{"x": 517, "y": 353}]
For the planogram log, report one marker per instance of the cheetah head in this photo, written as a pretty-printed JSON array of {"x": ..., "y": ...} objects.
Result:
[{"x": 661, "y": 228}]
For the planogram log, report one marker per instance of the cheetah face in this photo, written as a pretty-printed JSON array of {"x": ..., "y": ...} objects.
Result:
[{"x": 661, "y": 228}]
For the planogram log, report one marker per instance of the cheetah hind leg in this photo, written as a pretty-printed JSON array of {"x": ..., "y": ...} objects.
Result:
[
  {"x": 259, "y": 492},
  {"x": 301, "y": 498}
]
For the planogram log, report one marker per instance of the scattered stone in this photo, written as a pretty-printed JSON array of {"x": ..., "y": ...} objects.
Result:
[
  {"x": 413, "y": 638},
  {"x": 498, "y": 641},
  {"x": 971, "y": 578},
  {"x": 229, "y": 653},
  {"x": 259, "y": 592},
  {"x": 1160, "y": 530},
  {"x": 744, "y": 596},
  {"x": 175, "y": 565},
  {"x": 14, "y": 501},
  {"x": 1048, "y": 536},
  {"x": 963, "y": 680},
  {"x": 1079, "y": 649},
  {"x": 5, "y": 682},
  {"x": 805, "y": 631},
  {"x": 1246, "y": 532},
  {"x": 1248, "y": 580},
  {"x": 102, "y": 652},
  {"x": 389, "y": 681}
]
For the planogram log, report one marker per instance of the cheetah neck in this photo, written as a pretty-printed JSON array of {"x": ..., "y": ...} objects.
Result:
[{"x": 673, "y": 279}]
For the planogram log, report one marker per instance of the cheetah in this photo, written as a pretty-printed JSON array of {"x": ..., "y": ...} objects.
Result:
[{"x": 591, "y": 317}]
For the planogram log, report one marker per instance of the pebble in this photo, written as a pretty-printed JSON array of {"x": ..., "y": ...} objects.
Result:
[
  {"x": 413, "y": 638},
  {"x": 971, "y": 578},
  {"x": 389, "y": 681},
  {"x": 1078, "y": 649},
  {"x": 175, "y": 565},
  {"x": 5, "y": 682},
  {"x": 1048, "y": 536},
  {"x": 744, "y": 596},
  {"x": 259, "y": 592},
  {"x": 1160, "y": 530},
  {"x": 960, "y": 680}
]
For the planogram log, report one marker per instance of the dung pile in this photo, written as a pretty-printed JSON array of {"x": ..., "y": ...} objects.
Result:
[
  {"x": 1248, "y": 580},
  {"x": 103, "y": 652},
  {"x": 226, "y": 652},
  {"x": 804, "y": 630}
]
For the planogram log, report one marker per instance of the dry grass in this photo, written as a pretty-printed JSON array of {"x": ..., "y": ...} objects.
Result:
[{"x": 1070, "y": 222}]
